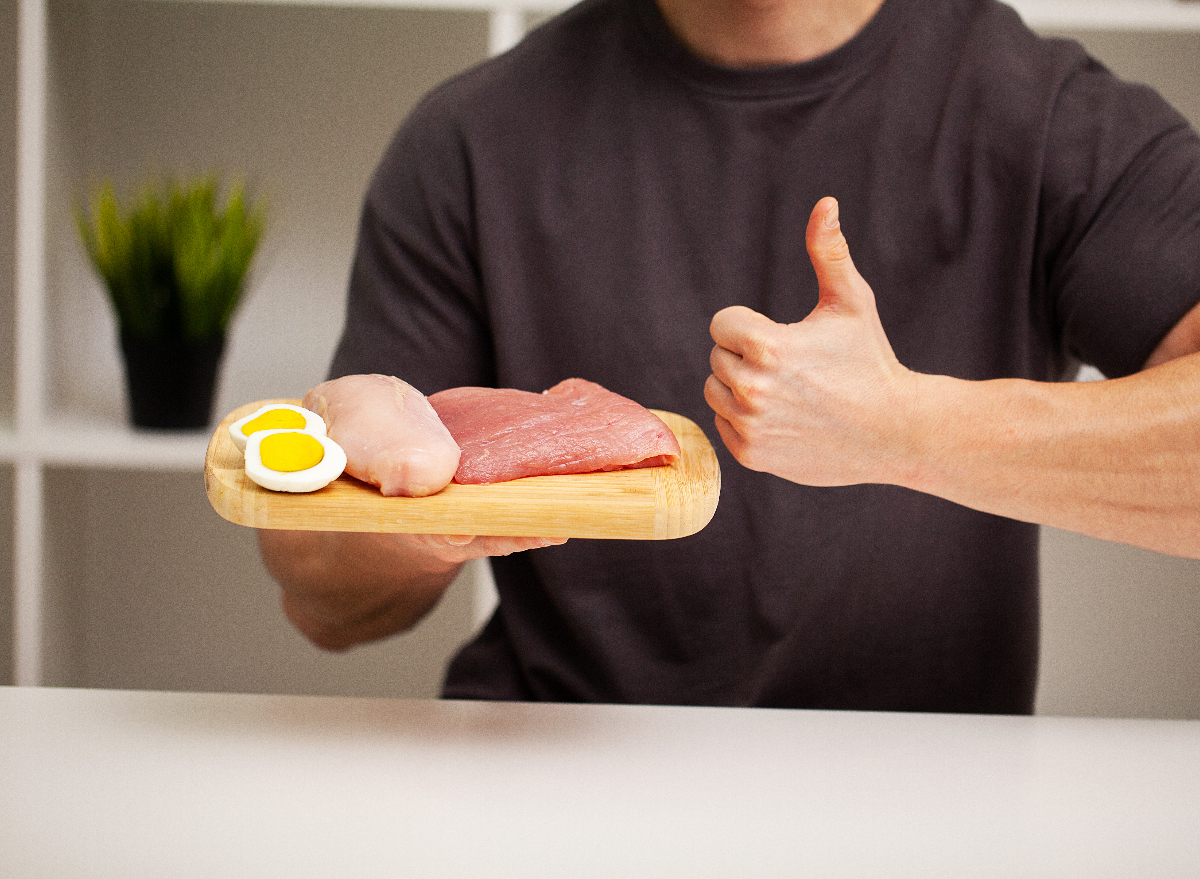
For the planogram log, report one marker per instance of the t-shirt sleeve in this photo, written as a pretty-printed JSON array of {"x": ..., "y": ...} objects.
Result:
[
  {"x": 1120, "y": 234},
  {"x": 415, "y": 308}
]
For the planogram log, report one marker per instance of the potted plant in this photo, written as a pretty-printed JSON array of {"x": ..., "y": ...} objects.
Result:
[{"x": 174, "y": 263}]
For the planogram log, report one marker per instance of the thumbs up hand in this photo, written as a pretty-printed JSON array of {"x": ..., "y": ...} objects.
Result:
[{"x": 822, "y": 401}]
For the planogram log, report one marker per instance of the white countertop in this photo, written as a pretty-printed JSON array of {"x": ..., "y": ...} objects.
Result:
[{"x": 135, "y": 784}]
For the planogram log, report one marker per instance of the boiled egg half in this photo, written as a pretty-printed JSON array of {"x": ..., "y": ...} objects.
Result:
[
  {"x": 275, "y": 416},
  {"x": 293, "y": 460}
]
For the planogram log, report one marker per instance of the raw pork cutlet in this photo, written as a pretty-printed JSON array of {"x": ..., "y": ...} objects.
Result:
[{"x": 575, "y": 427}]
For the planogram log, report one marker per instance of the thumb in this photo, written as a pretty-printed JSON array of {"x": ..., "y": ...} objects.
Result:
[{"x": 841, "y": 286}]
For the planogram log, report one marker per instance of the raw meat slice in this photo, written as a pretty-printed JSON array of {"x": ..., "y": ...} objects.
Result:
[
  {"x": 419, "y": 456},
  {"x": 575, "y": 427}
]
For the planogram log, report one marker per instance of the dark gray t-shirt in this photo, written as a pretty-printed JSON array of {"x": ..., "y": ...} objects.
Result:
[{"x": 583, "y": 205}]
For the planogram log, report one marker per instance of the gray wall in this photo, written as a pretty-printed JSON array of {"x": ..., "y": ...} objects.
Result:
[{"x": 1121, "y": 626}]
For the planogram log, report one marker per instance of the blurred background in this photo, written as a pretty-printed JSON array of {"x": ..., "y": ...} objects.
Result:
[{"x": 113, "y": 566}]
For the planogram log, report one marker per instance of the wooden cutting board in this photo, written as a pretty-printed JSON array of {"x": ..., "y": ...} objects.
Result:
[{"x": 653, "y": 503}]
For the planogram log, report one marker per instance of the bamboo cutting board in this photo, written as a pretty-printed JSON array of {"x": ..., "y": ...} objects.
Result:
[{"x": 653, "y": 503}]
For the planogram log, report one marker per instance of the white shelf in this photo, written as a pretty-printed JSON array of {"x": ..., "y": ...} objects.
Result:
[
  {"x": 470, "y": 5},
  {"x": 1132, "y": 15},
  {"x": 1098, "y": 14},
  {"x": 77, "y": 442}
]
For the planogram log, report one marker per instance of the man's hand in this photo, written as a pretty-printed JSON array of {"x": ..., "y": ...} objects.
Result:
[
  {"x": 825, "y": 402},
  {"x": 815, "y": 402}
]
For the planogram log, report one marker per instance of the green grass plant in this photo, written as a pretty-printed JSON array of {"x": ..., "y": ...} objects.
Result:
[{"x": 175, "y": 259}]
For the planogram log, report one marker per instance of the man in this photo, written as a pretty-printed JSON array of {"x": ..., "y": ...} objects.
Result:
[{"x": 637, "y": 181}]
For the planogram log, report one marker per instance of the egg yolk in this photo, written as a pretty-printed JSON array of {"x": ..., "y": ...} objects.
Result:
[
  {"x": 290, "y": 452},
  {"x": 274, "y": 419}
]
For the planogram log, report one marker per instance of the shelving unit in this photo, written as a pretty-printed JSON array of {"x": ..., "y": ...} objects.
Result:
[
  {"x": 86, "y": 106},
  {"x": 53, "y": 425}
]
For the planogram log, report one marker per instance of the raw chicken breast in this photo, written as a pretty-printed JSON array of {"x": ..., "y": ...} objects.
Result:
[
  {"x": 575, "y": 427},
  {"x": 392, "y": 436}
]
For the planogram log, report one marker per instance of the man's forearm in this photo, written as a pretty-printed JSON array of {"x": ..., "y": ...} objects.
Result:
[
  {"x": 344, "y": 588},
  {"x": 341, "y": 589},
  {"x": 1118, "y": 460}
]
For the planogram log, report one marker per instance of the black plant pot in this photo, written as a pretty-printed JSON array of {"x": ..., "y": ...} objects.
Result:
[{"x": 171, "y": 381}]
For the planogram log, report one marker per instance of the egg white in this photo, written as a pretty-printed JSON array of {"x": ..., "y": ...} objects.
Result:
[
  {"x": 313, "y": 423},
  {"x": 318, "y": 476}
]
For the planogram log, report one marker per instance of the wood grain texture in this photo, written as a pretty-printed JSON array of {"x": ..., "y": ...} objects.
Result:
[{"x": 654, "y": 503}]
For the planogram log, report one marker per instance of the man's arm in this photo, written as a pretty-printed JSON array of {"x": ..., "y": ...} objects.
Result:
[
  {"x": 344, "y": 588},
  {"x": 825, "y": 402},
  {"x": 1182, "y": 340}
]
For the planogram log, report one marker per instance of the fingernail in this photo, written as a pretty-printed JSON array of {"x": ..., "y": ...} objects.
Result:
[{"x": 831, "y": 217}]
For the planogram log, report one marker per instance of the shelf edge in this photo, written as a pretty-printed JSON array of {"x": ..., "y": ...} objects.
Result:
[
  {"x": 1114, "y": 15},
  {"x": 106, "y": 447},
  {"x": 1157, "y": 15}
]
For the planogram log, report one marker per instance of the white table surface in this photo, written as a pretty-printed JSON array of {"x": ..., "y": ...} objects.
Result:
[{"x": 165, "y": 785}]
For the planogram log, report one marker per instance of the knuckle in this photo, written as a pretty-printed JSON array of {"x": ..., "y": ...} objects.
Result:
[
  {"x": 762, "y": 348},
  {"x": 752, "y": 391}
]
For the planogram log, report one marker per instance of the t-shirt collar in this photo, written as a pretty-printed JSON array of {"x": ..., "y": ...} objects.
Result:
[{"x": 813, "y": 77}]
